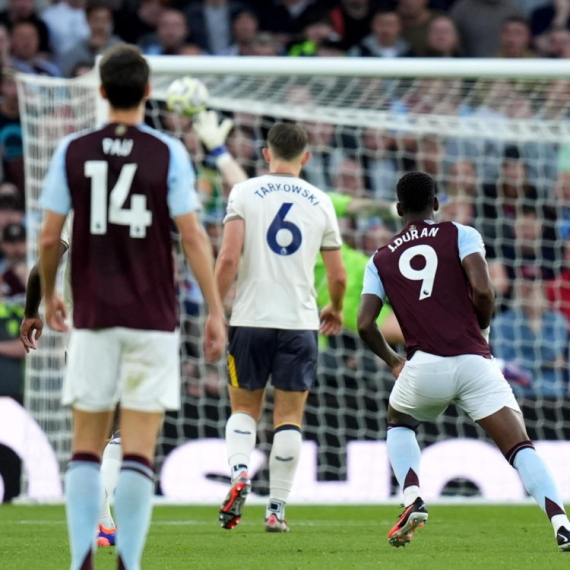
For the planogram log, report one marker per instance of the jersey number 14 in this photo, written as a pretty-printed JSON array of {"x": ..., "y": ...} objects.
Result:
[{"x": 137, "y": 217}]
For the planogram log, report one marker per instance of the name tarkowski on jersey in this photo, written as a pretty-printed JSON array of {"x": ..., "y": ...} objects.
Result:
[
  {"x": 412, "y": 234},
  {"x": 290, "y": 188}
]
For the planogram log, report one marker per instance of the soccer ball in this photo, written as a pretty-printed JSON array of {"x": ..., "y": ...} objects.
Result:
[{"x": 187, "y": 96}]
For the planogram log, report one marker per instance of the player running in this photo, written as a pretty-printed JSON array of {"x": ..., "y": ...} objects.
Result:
[
  {"x": 124, "y": 181},
  {"x": 437, "y": 280},
  {"x": 275, "y": 226}
]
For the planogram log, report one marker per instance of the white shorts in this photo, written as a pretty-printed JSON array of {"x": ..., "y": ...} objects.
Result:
[
  {"x": 140, "y": 369},
  {"x": 429, "y": 383}
]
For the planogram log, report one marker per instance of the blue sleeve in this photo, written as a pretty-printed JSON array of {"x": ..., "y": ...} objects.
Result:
[
  {"x": 182, "y": 197},
  {"x": 56, "y": 196},
  {"x": 372, "y": 283},
  {"x": 469, "y": 241}
]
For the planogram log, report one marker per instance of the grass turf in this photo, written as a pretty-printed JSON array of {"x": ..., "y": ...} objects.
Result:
[{"x": 474, "y": 537}]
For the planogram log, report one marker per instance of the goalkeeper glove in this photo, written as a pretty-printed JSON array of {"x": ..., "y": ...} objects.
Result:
[{"x": 213, "y": 134}]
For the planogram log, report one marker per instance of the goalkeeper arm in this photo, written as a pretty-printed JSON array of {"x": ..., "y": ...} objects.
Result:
[{"x": 213, "y": 135}]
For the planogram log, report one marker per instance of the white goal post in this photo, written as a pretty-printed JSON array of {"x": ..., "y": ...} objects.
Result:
[{"x": 369, "y": 121}]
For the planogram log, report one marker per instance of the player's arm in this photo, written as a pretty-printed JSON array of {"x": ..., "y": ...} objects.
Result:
[
  {"x": 32, "y": 324},
  {"x": 213, "y": 135},
  {"x": 331, "y": 315},
  {"x": 198, "y": 251},
  {"x": 368, "y": 311},
  {"x": 483, "y": 294},
  {"x": 229, "y": 256},
  {"x": 50, "y": 244}
]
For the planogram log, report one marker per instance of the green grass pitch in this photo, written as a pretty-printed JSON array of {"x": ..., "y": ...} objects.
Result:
[{"x": 456, "y": 537}]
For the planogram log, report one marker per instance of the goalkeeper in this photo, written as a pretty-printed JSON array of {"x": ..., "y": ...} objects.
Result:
[{"x": 213, "y": 135}]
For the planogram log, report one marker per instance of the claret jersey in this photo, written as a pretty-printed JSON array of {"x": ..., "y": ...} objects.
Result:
[
  {"x": 287, "y": 222},
  {"x": 124, "y": 183},
  {"x": 420, "y": 271}
]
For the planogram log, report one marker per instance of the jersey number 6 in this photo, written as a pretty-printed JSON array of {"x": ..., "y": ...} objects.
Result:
[
  {"x": 425, "y": 275},
  {"x": 138, "y": 218},
  {"x": 279, "y": 224}
]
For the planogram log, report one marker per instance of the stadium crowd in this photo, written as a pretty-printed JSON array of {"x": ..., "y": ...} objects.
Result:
[{"x": 516, "y": 194}]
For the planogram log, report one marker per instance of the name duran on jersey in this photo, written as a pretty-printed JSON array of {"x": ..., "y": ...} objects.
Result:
[
  {"x": 421, "y": 272},
  {"x": 287, "y": 222},
  {"x": 124, "y": 183},
  {"x": 288, "y": 188}
]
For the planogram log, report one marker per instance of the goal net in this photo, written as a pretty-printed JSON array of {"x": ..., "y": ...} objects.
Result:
[{"x": 496, "y": 138}]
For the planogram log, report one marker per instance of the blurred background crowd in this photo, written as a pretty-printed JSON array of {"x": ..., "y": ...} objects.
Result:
[{"x": 516, "y": 193}]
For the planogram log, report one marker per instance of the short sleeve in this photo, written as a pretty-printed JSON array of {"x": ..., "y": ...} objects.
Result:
[
  {"x": 56, "y": 196},
  {"x": 469, "y": 241},
  {"x": 331, "y": 237},
  {"x": 235, "y": 209},
  {"x": 182, "y": 197},
  {"x": 372, "y": 283}
]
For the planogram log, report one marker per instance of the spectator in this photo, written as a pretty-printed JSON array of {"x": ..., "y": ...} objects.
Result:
[
  {"x": 12, "y": 351},
  {"x": 4, "y": 46},
  {"x": 101, "y": 38},
  {"x": 415, "y": 17},
  {"x": 550, "y": 15},
  {"x": 15, "y": 282},
  {"x": 515, "y": 38},
  {"x": 9, "y": 189},
  {"x": 289, "y": 18},
  {"x": 313, "y": 36},
  {"x": 385, "y": 39},
  {"x": 351, "y": 20},
  {"x": 562, "y": 197},
  {"x": 245, "y": 26},
  {"x": 442, "y": 38},
  {"x": 349, "y": 179},
  {"x": 171, "y": 34},
  {"x": 378, "y": 163},
  {"x": 462, "y": 179},
  {"x": 11, "y": 130},
  {"x": 138, "y": 27},
  {"x": 211, "y": 24},
  {"x": 559, "y": 43},
  {"x": 243, "y": 147},
  {"x": 558, "y": 290},
  {"x": 479, "y": 23},
  {"x": 82, "y": 68},
  {"x": 11, "y": 212},
  {"x": 26, "y": 51},
  {"x": 13, "y": 245},
  {"x": 191, "y": 49},
  {"x": 67, "y": 25},
  {"x": 535, "y": 337},
  {"x": 324, "y": 157},
  {"x": 330, "y": 47},
  {"x": 25, "y": 11},
  {"x": 264, "y": 44}
]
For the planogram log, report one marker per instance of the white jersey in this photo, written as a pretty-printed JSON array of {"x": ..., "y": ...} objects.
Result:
[{"x": 287, "y": 222}]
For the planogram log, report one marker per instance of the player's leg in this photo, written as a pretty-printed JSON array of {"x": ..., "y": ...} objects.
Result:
[
  {"x": 288, "y": 413},
  {"x": 92, "y": 361},
  {"x": 488, "y": 399},
  {"x": 110, "y": 469},
  {"x": 249, "y": 360},
  {"x": 508, "y": 431},
  {"x": 293, "y": 374},
  {"x": 422, "y": 392},
  {"x": 150, "y": 384}
]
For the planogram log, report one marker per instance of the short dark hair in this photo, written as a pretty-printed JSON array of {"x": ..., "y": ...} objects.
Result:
[
  {"x": 287, "y": 140},
  {"x": 124, "y": 76},
  {"x": 516, "y": 20},
  {"x": 416, "y": 191},
  {"x": 94, "y": 5}
]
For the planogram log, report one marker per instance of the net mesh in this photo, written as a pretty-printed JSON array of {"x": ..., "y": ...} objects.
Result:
[{"x": 499, "y": 150}]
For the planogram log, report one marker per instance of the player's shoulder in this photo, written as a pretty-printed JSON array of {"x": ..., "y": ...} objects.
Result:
[
  {"x": 65, "y": 141},
  {"x": 174, "y": 144}
]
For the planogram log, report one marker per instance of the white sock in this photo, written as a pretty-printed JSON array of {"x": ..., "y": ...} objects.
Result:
[
  {"x": 241, "y": 431},
  {"x": 283, "y": 463},
  {"x": 110, "y": 469}
]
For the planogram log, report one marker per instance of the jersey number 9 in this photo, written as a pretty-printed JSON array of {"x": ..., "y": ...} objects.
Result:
[{"x": 425, "y": 275}]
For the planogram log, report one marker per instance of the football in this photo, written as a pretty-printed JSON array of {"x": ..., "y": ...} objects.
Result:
[{"x": 187, "y": 96}]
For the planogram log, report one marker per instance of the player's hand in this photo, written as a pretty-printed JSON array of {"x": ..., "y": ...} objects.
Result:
[
  {"x": 331, "y": 321},
  {"x": 215, "y": 337},
  {"x": 398, "y": 367},
  {"x": 211, "y": 132},
  {"x": 29, "y": 326},
  {"x": 56, "y": 313}
]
